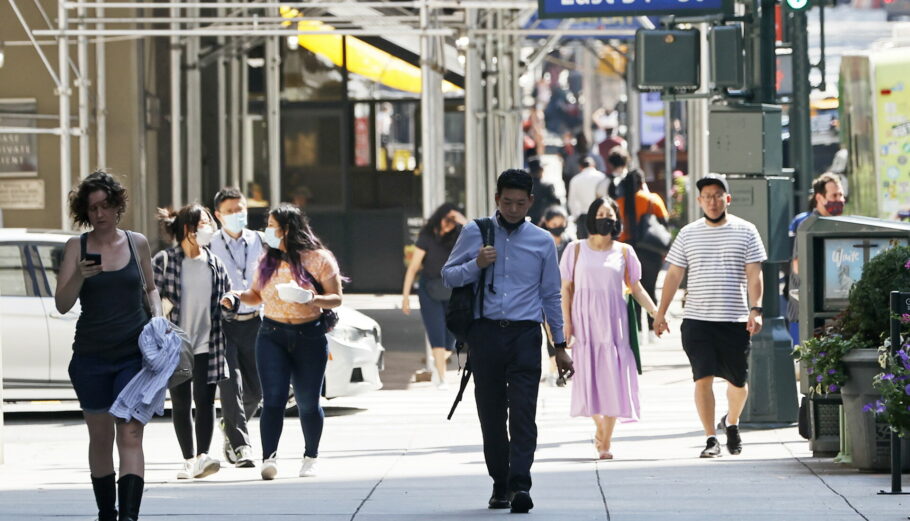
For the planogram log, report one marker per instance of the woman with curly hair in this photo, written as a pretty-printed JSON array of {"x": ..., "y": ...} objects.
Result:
[
  {"x": 100, "y": 268},
  {"x": 192, "y": 280},
  {"x": 297, "y": 282}
]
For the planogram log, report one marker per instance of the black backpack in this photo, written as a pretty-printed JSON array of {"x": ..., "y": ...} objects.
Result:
[{"x": 460, "y": 314}]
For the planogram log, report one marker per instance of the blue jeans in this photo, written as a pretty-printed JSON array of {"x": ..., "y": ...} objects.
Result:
[{"x": 291, "y": 354}]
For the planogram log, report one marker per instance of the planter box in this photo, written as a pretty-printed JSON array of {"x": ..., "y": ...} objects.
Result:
[
  {"x": 870, "y": 438},
  {"x": 824, "y": 420}
]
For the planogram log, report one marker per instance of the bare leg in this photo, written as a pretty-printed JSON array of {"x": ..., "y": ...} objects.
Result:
[
  {"x": 704, "y": 402},
  {"x": 608, "y": 423},
  {"x": 129, "y": 445},
  {"x": 598, "y": 431},
  {"x": 440, "y": 355},
  {"x": 100, "y": 443},
  {"x": 736, "y": 400}
]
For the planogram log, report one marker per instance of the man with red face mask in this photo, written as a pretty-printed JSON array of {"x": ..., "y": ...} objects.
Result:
[{"x": 827, "y": 199}]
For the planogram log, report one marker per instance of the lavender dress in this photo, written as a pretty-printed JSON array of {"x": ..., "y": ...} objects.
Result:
[{"x": 606, "y": 379}]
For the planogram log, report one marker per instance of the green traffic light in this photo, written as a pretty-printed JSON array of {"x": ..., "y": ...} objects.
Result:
[{"x": 797, "y": 5}]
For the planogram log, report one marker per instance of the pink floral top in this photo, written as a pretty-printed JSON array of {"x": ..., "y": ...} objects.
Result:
[{"x": 321, "y": 264}]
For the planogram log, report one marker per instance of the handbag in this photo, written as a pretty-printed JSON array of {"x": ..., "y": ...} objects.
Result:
[
  {"x": 652, "y": 235},
  {"x": 329, "y": 317},
  {"x": 437, "y": 290},
  {"x": 184, "y": 369},
  {"x": 633, "y": 316}
]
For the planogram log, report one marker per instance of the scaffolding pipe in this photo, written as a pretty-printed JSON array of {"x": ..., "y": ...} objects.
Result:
[
  {"x": 234, "y": 122},
  {"x": 475, "y": 188},
  {"x": 220, "y": 77},
  {"x": 31, "y": 130},
  {"x": 193, "y": 120},
  {"x": 82, "y": 60},
  {"x": 371, "y": 20},
  {"x": 234, "y": 31},
  {"x": 246, "y": 126},
  {"x": 100, "y": 98},
  {"x": 176, "y": 109},
  {"x": 273, "y": 115},
  {"x": 63, "y": 91},
  {"x": 31, "y": 37},
  {"x": 415, "y": 4}
]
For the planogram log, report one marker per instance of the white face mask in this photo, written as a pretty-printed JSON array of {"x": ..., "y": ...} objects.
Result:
[
  {"x": 204, "y": 235},
  {"x": 235, "y": 222},
  {"x": 271, "y": 239}
]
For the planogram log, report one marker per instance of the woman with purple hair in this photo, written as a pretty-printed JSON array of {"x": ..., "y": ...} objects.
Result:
[{"x": 297, "y": 280}]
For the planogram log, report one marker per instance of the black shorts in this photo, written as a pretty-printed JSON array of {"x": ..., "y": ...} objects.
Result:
[{"x": 717, "y": 349}]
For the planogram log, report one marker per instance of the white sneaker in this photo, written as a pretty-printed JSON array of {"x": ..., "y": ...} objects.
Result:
[
  {"x": 270, "y": 467},
  {"x": 441, "y": 385},
  {"x": 187, "y": 471},
  {"x": 205, "y": 466},
  {"x": 244, "y": 457},
  {"x": 308, "y": 469}
]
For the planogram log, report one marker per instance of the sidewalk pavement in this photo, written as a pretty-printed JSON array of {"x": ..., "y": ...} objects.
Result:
[{"x": 391, "y": 455}]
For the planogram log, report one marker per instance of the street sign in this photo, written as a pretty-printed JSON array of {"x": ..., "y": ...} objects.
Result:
[
  {"x": 797, "y": 5},
  {"x": 592, "y": 8}
]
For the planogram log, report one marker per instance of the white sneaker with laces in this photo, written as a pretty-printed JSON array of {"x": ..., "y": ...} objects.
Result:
[
  {"x": 187, "y": 471},
  {"x": 244, "y": 456},
  {"x": 308, "y": 469},
  {"x": 270, "y": 467},
  {"x": 205, "y": 466}
]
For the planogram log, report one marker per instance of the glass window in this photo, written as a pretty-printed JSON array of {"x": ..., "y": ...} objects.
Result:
[
  {"x": 12, "y": 272},
  {"x": 396, "y": 136},
  {"x": 313, "y": 156},
  {"x": 51, "y": 256},
  {"x": 309, "y": 76},
  {"x": 454, "y": 153}
]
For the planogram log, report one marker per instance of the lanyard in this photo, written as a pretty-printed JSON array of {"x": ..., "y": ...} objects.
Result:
[{"x": 246, "y": 252}]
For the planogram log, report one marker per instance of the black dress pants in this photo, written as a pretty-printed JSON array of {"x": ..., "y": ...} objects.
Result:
[{"x": 506, "y": 365}]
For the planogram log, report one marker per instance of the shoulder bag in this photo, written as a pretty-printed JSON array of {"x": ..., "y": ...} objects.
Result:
[
  {"x": 630, "y": 307},
  {"x": 329, "y": 317},
  {"x": 184, "y": 369},
  {"x": 652, "y": 235}
]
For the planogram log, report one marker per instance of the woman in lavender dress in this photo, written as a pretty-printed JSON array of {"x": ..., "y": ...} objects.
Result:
[{"x": 595, "y": 272}]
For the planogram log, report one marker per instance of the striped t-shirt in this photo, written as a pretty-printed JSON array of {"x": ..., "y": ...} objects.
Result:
[{"x": 716, "y": 259}]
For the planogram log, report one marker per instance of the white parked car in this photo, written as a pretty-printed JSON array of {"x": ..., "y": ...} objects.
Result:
[{"x": 37, "y": 340}]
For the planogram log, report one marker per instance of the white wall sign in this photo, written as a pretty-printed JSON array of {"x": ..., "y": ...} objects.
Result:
[
  {"x": 18, "y": 152},
  {"x": 22, "y": 194}
]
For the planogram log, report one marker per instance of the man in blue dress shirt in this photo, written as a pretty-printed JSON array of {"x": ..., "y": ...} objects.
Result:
[
  {"x": 239, "y": 249},
  {"x": 522, "y": 289}
]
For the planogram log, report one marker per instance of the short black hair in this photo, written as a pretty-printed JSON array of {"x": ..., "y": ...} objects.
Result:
[
  {"x": 586, "y": 161},
  {"x": 226, "y": 193},
  {"x": 618, "y": 157},
  {"x": 514, "y": 178},
  {"x": 100, "y": 180},
  {"x": 591, "y": 221}
]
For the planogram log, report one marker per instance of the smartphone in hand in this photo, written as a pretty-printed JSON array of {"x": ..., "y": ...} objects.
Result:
[{"x": 93, "y": 257}]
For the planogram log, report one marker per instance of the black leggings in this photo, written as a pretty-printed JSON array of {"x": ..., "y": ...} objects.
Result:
[{"x": 201, "y": 392}]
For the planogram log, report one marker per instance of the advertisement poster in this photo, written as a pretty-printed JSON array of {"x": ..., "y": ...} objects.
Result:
[
  {"x": 892, "y": 105},
  {"x": 18, "y": 152},
  {"x": 844, "y": 260},
  {"x": 652, "y": 118}
]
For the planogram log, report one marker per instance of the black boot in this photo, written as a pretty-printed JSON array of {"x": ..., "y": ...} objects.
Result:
[
  {"x": 130, "y": 493},
  {"x": 106, "y": 497}
]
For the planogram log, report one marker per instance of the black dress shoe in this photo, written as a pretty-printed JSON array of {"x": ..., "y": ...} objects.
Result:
[
  {"x": 499, "y": 500},
  {"x": 521, "y": 502}
]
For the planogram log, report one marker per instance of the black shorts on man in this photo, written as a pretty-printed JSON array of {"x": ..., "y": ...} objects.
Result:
[{"x": 717, "y": 349}]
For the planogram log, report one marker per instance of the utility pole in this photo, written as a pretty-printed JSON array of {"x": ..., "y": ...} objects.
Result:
[{"x": 800, "y": 126}]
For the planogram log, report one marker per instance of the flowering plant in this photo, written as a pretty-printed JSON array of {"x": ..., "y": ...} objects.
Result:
[
  {"x": 823, "y": 356},
  {"x": 893, "y": 383}
]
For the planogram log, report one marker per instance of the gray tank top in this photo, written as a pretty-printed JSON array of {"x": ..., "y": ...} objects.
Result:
[{"x": 112, "y": 312}]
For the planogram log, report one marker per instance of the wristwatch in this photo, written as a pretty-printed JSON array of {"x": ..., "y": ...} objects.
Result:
[{"x": 757, "y": 309}]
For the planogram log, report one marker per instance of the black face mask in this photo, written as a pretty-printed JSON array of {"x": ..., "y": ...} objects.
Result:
[
  {"x": 720, "y": 218},
  {"x": 510, "y": 227},
  {"x": 557, "y": 230},
  {"x": 604, "y": 226}
]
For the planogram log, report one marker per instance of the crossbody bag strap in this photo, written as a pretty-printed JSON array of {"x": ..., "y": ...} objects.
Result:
[{"x": 135, "y": 254}]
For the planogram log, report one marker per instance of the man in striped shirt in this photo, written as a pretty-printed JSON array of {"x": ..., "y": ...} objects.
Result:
[{"x": 723, "y": 255}]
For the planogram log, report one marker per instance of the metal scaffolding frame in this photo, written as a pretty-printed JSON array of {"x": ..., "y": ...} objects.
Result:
[{"x": 492, "y": 97}]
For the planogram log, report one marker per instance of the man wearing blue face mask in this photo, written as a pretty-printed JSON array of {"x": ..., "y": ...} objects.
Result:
[{"x": 239, "y": 248}]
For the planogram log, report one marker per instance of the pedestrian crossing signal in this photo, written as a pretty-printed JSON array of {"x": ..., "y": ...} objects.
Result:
[{"x": 797, "y": 5}]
